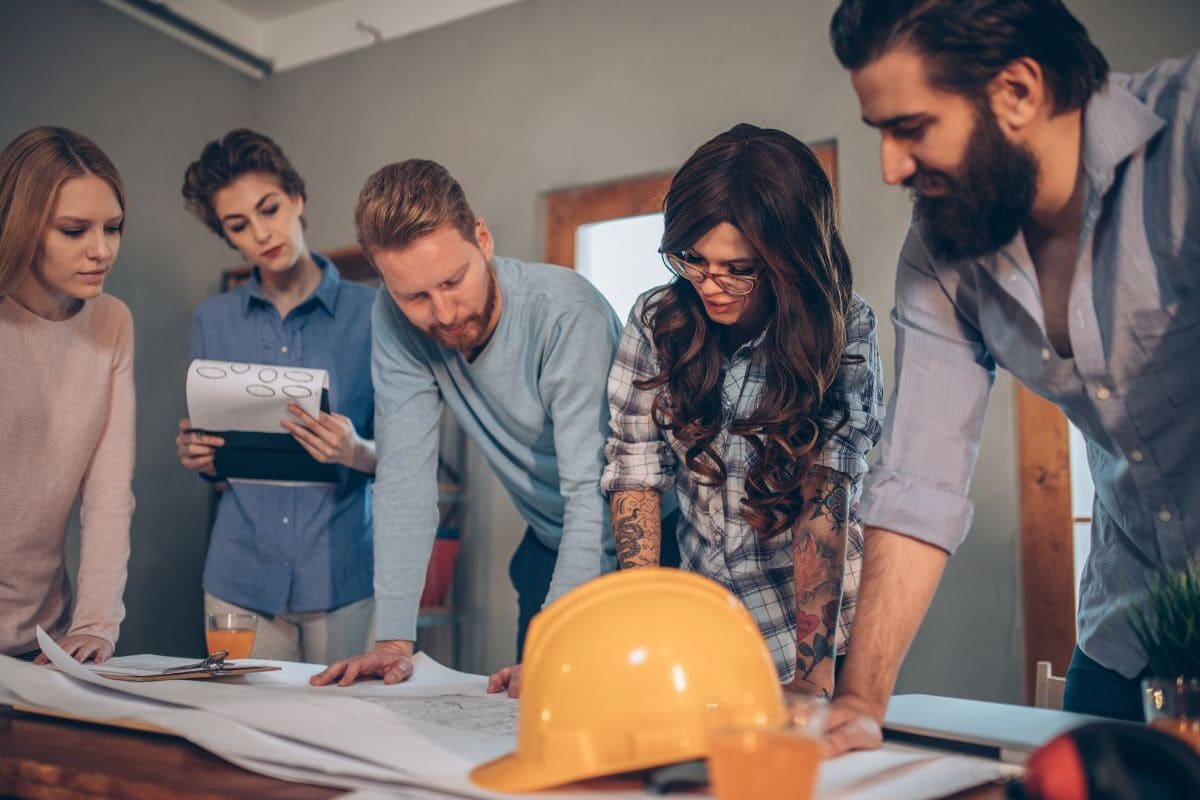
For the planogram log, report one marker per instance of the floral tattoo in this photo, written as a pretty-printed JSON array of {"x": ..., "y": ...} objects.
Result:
[{"x": 819, "y": 549}]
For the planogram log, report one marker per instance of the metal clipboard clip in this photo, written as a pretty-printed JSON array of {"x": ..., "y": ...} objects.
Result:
[{"x": 214, "y": 663}]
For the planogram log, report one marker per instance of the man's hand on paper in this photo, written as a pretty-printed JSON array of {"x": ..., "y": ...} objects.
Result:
[
  {"x": 390, "y": 660},
  {"x": 196, "y": 449},
  {"x": 81, "y": 647},
  {"x": 507, "y": 678},
  {"x": 853, "y": 724},
  {"x": 331, "y": 439}
]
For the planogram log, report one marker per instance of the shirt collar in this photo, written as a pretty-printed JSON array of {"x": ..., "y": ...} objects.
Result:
[
  {"x": 1116, "y": 124},
  {"x": 325, "y": 295}
]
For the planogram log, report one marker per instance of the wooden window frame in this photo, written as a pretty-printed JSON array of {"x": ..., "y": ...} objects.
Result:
[{"x": 567, "y": 209}]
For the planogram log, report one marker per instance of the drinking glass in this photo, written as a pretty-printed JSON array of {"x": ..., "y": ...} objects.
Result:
[
  {"x": 758, "y": 758},
  {"x": 231, "y": 632}
]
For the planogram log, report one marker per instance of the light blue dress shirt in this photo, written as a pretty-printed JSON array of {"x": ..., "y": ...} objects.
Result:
[{"x": 295, "y": 549}]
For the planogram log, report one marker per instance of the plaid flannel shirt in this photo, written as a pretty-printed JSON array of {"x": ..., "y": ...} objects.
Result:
[{"x": 714, "y": 539}]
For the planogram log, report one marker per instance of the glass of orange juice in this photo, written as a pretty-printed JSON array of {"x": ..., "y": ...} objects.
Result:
[
  {"x": 767, "y": 759},
  {"x": 231, "y": 632}
]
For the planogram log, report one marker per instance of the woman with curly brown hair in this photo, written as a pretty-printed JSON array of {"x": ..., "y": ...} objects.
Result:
[{"x": 750, "y": 387}]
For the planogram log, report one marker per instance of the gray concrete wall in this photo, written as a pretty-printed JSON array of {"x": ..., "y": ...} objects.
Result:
[
  {"x": 150, "y": 103},
  {"x": 524, "y": 100}
]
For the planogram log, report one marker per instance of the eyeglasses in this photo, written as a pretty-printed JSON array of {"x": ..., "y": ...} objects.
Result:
[{"x": 734, "y": 284}]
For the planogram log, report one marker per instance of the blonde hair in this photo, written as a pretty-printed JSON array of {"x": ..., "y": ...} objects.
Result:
[
  {"x": 404, "y": 201},
  {"x": 32, "y": 169}
]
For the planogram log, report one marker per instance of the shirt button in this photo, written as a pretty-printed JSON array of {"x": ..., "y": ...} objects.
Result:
[
  {"x": 285, "y": 520},
  {"x": 1164, "y": 515},
  {"x": 283, "y": 349},
  {"x": 1103, "y": 394},
  {"x": 1137, "y": 456},
  {"x": 1046, "y": 354}
]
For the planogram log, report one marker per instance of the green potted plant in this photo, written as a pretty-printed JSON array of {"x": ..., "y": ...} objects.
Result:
[{"x": 1167, "y": 624}]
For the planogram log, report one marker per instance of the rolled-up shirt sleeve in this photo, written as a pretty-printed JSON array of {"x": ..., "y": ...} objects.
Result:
[
  {"x": 856, "y": 395},
  {"x": 944, "y": 375},
  {"x": 638, "y": 456}
]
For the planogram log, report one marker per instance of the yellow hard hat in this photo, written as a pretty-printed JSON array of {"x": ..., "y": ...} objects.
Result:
[{"x": 619, "y": 675}]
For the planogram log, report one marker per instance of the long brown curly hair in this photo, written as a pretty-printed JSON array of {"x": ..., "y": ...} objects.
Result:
[{"x": 771, "y": 187}]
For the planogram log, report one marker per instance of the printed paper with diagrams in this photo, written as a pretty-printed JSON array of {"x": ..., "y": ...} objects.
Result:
[{"x": 231, "y": 396}]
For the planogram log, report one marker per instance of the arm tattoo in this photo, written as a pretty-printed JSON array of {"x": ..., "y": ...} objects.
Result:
[
  {"x": 637, "y": 527},
  {"x": 819, "y": 551}
]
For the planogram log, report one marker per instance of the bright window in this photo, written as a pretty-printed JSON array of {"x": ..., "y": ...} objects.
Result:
[{"x": 620, "y": 257}]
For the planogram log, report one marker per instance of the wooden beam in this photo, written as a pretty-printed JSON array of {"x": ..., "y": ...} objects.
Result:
[{"x": 1047, "y": 540}]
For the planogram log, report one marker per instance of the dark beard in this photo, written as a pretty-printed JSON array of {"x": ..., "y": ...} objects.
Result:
[
  {"x": 983, "y": 210},
  {"x": 474, "y": 335}
]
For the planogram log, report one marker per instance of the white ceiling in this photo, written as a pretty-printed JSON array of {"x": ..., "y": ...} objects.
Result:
[
  {"x": 267, "y": 10},
  {"x": 292, "y": 33}
]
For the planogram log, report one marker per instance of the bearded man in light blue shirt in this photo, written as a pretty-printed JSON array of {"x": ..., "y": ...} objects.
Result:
[
  {"x": 1055, "y": 235},
  {"x": 520, "y": 355}
]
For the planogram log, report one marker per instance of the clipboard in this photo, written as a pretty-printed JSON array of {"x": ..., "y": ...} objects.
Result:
[
  {"x": 244, "y": 404},
  {"x": 198, "y": 674},
  {"x": 274, "y": 457},
  {"x": 144, "y": 668}
]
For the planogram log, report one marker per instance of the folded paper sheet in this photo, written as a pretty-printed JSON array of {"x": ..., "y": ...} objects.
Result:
[
  {"x": 410, "y": 740},
  {"x": 245, "y": 404},
  {"x": 230, "y": 396}
]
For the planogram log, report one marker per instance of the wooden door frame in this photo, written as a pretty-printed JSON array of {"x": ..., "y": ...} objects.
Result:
[{"x": 1047, "y": 535}]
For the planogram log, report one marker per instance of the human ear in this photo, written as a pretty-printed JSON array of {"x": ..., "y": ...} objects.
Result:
[
  {"x": 483, "y": 238},
  {"x": 1018, "y": 94}
]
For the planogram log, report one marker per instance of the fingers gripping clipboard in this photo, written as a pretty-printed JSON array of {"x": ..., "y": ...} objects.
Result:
[{"x": 244, "y": 404}]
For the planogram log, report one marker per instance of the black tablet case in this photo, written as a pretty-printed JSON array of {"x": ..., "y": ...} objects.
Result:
[{"x": 251, "y": 455}]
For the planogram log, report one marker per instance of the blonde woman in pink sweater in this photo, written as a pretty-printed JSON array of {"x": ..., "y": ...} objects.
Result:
[{"x": 66, "y": 395}]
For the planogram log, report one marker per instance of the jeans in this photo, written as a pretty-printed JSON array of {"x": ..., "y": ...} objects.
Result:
[
  {"x": 1095, "y": 689},
  {"x": 532, "y": 567}
]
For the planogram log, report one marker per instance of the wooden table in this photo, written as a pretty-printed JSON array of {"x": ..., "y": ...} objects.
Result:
[{"x": 50, "y": 758}]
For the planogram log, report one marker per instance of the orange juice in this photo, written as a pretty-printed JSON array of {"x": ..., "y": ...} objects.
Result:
[
  {"x": 238, "y": 641},
  {"x": 763, "y": 764}
]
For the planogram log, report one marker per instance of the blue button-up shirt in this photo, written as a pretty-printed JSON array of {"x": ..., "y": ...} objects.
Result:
[
  {"x": 1132, "y": 385},
  {"x": 277, "y": 549}
]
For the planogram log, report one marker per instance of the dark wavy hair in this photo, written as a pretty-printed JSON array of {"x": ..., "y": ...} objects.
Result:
[
  {"x": 223, "y": 161},
  {"x": 771, "y": 187},
  {"x": 967, "y": 42}
]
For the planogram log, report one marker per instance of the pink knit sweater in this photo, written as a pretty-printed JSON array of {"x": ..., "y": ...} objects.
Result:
[{"x": 66, "y": 434}]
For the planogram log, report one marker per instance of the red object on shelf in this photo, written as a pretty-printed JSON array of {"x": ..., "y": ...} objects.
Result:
[{"x": 440, "y": 572}]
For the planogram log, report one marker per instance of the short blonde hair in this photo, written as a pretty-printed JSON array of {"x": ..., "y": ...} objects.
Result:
[
  {"x": 404, "y": 201},
  {"x": 32, "y": 169}
]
